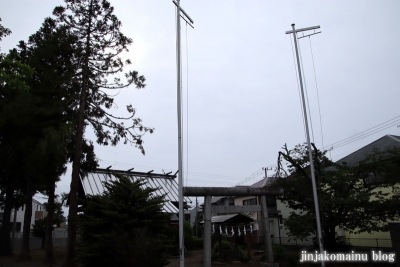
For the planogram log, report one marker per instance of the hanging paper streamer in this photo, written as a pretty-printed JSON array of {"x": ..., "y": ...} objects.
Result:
[{"x": 230, "y": 230}]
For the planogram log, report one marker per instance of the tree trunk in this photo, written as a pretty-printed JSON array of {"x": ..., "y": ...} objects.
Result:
[
  {"x": 25, "y": 253},
  {"x": 73, "y": 194},
  {"x": 14, "y": 226},
  {"x": 49, "y": 226},
  {"x": 330, "y": 238},
  {"x": 5, "y": 240},
  {"x": 76, "y": 165}
]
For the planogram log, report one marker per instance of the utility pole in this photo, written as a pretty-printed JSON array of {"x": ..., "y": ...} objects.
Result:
[
  {"x": 266, "y": 177},
  {"x": 196, "y": 217},
  {"x": 314, "y": 187},
  {"x": 180, "y": 143}
]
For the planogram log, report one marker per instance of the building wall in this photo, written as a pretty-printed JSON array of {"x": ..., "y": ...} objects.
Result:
[
  {"x": 284, "y": 233},
  {"x": 239, "y": 202},
  {"x": 257, "y": 216},
  {"x": 373, "y": 239},
  {"x": 37, "y": 213}
]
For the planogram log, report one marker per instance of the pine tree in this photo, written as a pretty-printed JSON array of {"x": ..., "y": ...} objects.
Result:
[
  {"x": 52, "y": 90},
  {"x": 99, "y": 42},
  {"x": 125, "y": 226},
  {"x": 13, "y": 75},
  {"x": 38, "y": 125}
]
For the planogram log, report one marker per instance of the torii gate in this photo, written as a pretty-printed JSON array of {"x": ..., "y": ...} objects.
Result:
[{"x": 209, "y": 192}]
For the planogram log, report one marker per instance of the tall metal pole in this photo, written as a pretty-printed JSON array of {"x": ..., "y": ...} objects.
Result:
[
  {"x": 196, "y": 218},
  {"x": 207, "y": 231},
  {"x": 314, "y": 187},
  {"x": 180, "y": 163}
]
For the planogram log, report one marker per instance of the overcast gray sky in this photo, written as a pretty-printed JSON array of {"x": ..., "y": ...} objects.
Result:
[{"x": 241, "y": 98}]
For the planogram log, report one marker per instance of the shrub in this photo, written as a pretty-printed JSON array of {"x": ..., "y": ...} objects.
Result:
[
  {"x": 242, "y": 255},
  {"x": 197, "y": 242},
  {"x": 226, "y": 245},
  {"x": 279, "y": 252},
  {"x": 125, "y": 226}
]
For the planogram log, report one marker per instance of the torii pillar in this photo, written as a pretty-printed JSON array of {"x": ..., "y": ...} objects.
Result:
[{"x": 208, "y": 192}]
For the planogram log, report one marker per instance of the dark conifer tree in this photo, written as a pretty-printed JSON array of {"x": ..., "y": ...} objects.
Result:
[
  {"x": 13, "y": 75},
  {"x": 125, "y": 226},
  {"x": 99, "y": 42}
]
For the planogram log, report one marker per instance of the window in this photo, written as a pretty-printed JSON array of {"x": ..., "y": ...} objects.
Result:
[{"x": 251, "y": 201}]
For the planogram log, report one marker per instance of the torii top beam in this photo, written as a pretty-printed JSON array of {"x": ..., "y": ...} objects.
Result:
[{"x": 230, "y": 191}]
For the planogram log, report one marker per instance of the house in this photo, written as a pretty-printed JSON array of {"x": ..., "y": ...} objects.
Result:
[
  {"x": 277, "y": 211},
  {"x": 196, "y": 215},
  {"x": 38, "y": 212},
  {"x": 374, "y": 239},
  {"x": 219, "y": 201},
  {"x": 222, "y": 201}
]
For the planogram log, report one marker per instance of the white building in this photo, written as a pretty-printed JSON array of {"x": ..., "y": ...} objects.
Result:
[{"x": 38, "y": 212}]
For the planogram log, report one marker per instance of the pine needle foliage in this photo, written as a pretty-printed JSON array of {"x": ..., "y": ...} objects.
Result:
[
  {"x": 100, "y": 69},
  {"x": 99, "y": 47},
  {"x": 125, "y": 226}
]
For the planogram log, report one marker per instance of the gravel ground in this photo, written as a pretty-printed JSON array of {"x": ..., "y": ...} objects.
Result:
[
  {"x": 37, "y": 259},
  {"x": 193, "y": 259}
]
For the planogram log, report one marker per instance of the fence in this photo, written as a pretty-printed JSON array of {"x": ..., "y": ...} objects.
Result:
[
  {"x": 35, "y": 243},
  {"x": 57, "y": 233},
  {"x": 370, "y": 242},
  {"x": 356, "y": 242},
  {"x": 291, "y": 241}
]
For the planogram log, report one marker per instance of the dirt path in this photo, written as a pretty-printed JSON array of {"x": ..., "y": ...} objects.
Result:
[
  {"x": 193, "y": 259},
  {"x": 37, "y": 255}
]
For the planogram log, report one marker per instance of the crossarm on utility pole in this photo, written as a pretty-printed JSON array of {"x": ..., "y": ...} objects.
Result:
[
  {"x": 183, "y": 11},
  {"x": 304, "y": 29}
]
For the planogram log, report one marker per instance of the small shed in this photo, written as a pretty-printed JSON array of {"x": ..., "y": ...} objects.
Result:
[{"x": 230, "y": 220}]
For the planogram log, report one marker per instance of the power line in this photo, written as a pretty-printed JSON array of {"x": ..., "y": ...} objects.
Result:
[
  {"x": 316, "y": 88},
  {"x": 365, "y": 133},
  {"x": 254, "y": 175}
]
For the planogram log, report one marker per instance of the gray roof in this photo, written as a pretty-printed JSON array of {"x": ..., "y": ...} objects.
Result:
[
  {"x": 261, "y": 182},
  {"x": 216, "y": 199},
  {"x": 381, "y": 144},
  {"x": 164, "y": 184}
]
